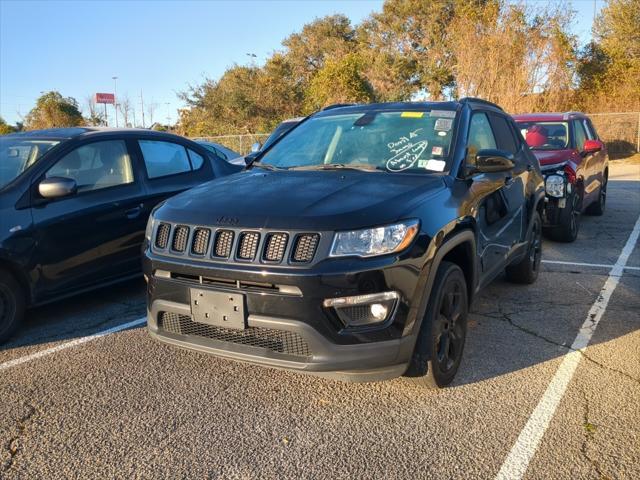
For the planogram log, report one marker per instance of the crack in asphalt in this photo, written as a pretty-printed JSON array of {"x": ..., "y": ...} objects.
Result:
[
  {"x": 13, "y": 444},
  {"x": 500, "y": 315},
  {"x": 590, "y": 431}
]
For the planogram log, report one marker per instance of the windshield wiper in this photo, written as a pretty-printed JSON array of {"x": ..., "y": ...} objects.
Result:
[
  {"x": 264, "y": 166},
  {"x": 342, "y": 166}
]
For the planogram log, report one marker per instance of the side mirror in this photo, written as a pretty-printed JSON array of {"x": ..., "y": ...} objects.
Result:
[
  {"x": 591, "y": 146},
  {"x": 57, "y": 187},
  {"x": 493, "y": 160},
  {"x": 255, "y": 148}
]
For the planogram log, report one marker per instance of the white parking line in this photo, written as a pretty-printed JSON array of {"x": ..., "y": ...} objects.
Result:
[
  {"x": 581, "y": 264},
  {"x": 73, "y": 343},
  {"x": 516, "y": 463}
]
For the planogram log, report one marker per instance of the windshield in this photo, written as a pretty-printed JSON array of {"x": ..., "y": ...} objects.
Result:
[
  {"x": 545, "y": 135},
  {"x": 390, "y": 141},
  {"x": 280, "y": 130},
  {"x": 18, "y": 154}
]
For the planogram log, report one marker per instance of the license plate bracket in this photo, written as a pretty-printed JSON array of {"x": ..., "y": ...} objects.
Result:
[{"x": 219, "y": 309}]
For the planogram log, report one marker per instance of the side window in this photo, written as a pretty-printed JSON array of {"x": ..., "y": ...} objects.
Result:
[
  {"x": 96, "y": 165},
  {"x": 480, "y": 136},
  {"x": 580, "y": 135},
  {"x": 592, "y": 128},
  {"x": 164, "y": 158},
  {"x": 588, "y": 129},
  {"x": 197, "y": 160},
  {"x": 503, "y": 133}
]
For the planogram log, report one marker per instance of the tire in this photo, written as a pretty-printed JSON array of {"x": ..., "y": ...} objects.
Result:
[
  {"x": 597, "y": 207},
  {"x": 567, "y": 231},
  {"x": 12, "y": 305},
  {"x": 526, "y": 270},
  {"x": 438, "y": 351}
]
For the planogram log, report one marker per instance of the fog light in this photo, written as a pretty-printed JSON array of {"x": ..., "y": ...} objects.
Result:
[
  {"x": 379, "y": 311},
  {"x": 362, "y": 310}
]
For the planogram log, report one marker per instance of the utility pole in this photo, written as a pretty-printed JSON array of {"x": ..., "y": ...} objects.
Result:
[
  {"x": 115, "y": 97},
  {"x": 168, "y": 115},
  {"x": 142, "y": 107}
]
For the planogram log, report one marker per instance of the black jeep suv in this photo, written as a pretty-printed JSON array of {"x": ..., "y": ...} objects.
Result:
[{"x": 353, "y": 246}]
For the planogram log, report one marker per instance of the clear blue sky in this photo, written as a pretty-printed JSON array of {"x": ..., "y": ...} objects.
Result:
[{"x": 160, "y": 47}]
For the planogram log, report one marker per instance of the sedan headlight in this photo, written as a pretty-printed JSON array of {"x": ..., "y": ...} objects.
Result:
[
  {"x": 370, "y": 242},
  {"x": 554, "y": 185}
]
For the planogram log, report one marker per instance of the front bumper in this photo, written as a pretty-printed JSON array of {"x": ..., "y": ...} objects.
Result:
[{"x": 287, "y": 325}]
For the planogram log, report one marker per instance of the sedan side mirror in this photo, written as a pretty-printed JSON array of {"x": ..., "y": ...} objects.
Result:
[
  {"x": 255, "y": 148},
  {"x": 493, "y": 160},
  {"x": 57, "y": 187},
  {"x": 591, "y": 146}
]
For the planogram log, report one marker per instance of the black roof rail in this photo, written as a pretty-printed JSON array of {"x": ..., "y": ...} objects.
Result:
[
  {"x": 338, "y": 105},
  {"x": 480, "y": 100}
]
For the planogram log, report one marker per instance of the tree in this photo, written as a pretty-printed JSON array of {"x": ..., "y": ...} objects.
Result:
[
  {"x": 5, "y": 128},
  {"x": 126, "y": 109},
  {"x": 53, "y": 110},
  {"x": 609, "y": 67},
  {"x": 96, "y": 117},
  {"x": 338, "y": 81}
]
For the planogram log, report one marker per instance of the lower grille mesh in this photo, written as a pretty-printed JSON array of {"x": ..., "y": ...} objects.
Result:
[{"x": 280, "y": 341}]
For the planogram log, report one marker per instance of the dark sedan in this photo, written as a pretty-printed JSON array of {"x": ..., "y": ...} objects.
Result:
[{"x": 74, "y": 204}]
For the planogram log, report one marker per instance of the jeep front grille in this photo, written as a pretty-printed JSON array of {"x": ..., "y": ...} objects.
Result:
[
  {"x": 275, "y": 245},
  {"x": 236, "y": 245},
  {"x": 280, "y": 341},
  {"x": 248, "y": 245},
  {"x": 305, "y": 247},
  {"x": 200, "y": 241},
  {"x": 180, "y": 236},
  {"x": 223, "y": 243},
  {"x": 162, "y": 235}
]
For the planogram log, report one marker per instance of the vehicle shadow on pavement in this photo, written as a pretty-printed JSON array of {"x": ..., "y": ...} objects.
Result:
[{"x": 81, "y": 315}]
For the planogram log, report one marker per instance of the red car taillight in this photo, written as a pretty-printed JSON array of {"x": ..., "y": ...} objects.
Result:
[{"x": 570, "y": 173}]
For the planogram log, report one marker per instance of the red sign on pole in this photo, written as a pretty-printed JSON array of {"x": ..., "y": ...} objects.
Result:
[{"x": 106, "y": 98}]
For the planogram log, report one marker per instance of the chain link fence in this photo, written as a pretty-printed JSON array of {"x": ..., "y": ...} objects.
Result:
[
  {"x": 620, "y": 131},
  {"x": 237, "y": 143}
]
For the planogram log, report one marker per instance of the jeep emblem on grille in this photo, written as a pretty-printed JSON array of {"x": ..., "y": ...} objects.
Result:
[{"x": 227, "y": 220}]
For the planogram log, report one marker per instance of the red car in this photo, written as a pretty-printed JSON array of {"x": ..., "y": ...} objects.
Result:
[{"x": 575, "y": 164}]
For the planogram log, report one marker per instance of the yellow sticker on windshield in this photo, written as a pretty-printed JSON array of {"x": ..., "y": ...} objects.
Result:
[{"x": 412, "y": 114}]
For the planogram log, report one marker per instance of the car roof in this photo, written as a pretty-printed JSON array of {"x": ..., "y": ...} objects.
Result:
[
  {"x": 74, "y": 132},
  {"x": 410, "y": 106},
  {"x": 548, "y": 116}
]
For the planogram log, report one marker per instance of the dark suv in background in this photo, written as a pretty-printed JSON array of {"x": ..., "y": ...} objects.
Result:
[
  {"x": 575, "y": 165},
  {"x": 353, "y": 245},
  {"x": 74, "y": 204}
]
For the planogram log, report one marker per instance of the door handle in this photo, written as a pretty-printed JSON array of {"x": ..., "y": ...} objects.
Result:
[
  {"x": 529, "y": 167},
  {"x": 134, "y": 212},
  {"x": 508, "y": 180}
]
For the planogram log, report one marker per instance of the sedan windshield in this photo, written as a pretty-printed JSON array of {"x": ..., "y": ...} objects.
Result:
[
  {"x": 18, "y": 154},
  {"x": 400, "y": 141},
  {"x": 545, "y": 135}
]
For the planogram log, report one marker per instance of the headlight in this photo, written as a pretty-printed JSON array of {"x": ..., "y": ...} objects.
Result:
[
  {"x": 374, "y": 241},
  {"x": 149, "y": 230},
  {"x": 554, "y": 185}
]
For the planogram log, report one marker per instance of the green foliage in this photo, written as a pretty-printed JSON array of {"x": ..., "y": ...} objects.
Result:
[
  {"x": 338, "y": 81},
  {"x": 609, "y": 67},
  {"x": 5, "y": 128},
  {"x": 520, "y": 55},
  {"x": 53, "y": 110}
]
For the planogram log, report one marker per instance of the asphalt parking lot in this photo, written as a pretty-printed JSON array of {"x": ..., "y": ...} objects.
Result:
[{"x": 122, "y": 406}]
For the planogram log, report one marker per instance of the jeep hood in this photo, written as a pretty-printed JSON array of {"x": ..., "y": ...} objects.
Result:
[{"x": 301, "y": 200}]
